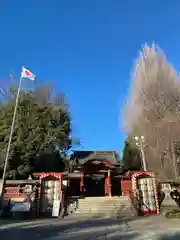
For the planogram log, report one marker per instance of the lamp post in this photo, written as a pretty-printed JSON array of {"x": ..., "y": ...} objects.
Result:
[{"x": 139, "y": 142}]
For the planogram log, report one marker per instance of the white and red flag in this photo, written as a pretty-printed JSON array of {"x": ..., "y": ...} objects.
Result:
[{"x": 27, "y": 74}]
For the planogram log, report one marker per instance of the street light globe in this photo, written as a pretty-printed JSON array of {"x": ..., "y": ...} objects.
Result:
[
  {"x": 137, "y": 144},
  {"x": 142, "y": 137},
  {"x": 136, "y": 138}
]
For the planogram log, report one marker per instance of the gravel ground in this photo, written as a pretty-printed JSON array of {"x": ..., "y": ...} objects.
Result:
[{"x": 144, "y": 228}]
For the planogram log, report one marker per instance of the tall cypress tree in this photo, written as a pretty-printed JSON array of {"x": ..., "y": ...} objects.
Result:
[{"x": 131, "y": 157}]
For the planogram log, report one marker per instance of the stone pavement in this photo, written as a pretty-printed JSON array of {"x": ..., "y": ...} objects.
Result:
[{"x": 144, "y": 228}]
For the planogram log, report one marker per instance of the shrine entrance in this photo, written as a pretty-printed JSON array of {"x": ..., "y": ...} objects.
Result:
[
  {"x": 116, "y": 186},
  {"x": 97, "y": 170},
  {"x": 97, "y": 178},
  {"x": 94, "y": 185}
]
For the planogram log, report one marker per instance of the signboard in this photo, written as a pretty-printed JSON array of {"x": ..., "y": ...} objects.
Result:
[
  {"x": 28, "y": 189},
  {"x": 64, "y": 182},
  {"x": 56, "y": 208},
  {"x": 56, "y": 205},
  {"x": 96, "y": 162},
  {"x": 20, "y": 207}
]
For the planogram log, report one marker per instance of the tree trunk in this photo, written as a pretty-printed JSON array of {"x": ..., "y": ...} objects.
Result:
[{"x": 174, "y": 163}]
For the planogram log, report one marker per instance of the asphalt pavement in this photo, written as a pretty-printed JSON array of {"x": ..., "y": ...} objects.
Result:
[{"x": 143, "y": 228}]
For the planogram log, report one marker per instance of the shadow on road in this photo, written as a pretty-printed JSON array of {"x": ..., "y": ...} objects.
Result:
[
  {"x": 175, "y": 236},
  {"x": 89, "y": 229}
]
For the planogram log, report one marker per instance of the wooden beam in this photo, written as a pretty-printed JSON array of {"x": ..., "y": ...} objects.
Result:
[
  {"x": 18, "y": 182},
  {"x": 37, "y": 174}
]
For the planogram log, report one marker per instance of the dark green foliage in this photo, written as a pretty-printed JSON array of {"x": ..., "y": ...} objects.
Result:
[
  {"x": 43, "y": 126},
  {"x": 47, "y": 162},
  {"x": 131, "y": 157}
]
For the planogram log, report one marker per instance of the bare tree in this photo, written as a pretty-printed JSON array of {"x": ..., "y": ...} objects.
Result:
[{"x": 153, "y": 108}]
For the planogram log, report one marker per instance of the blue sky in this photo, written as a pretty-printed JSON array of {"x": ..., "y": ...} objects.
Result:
[{"x": 87, "y": 48}]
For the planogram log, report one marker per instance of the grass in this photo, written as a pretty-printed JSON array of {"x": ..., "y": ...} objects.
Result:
[{"x": 173, "y": 214}]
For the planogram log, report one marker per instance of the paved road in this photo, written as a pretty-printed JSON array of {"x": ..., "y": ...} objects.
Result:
[{"x": 154, "y": 227}]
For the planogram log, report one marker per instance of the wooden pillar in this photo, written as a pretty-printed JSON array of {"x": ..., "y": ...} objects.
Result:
[
  {"x": 107, "y": 185},
  {"x": 68, "y": 186},
  {"x": 82, "y": 184},
  {"x": 62, "y": 208},
  {"x": 109, "y": 182}
]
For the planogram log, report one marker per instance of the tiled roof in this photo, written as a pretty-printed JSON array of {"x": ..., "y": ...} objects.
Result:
[{"x": 83, "y": 156}]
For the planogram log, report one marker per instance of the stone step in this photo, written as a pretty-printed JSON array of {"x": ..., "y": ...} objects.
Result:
[
  {"x": 101, "y": 207},
  {"x": 102, "y": 213},
  {"x": 104, "y": 207},
  {"x": 109, "y": 213},
  {"x": 105, "y": 202},
  {"x": 108, "y": 202},
  {"x": 103, "y": 198},
  {"x": 107, "y": 209}
]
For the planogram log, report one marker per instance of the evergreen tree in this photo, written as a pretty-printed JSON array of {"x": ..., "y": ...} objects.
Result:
[
  {"x": 42, "y": 126},
  {"x": 131, "y": 157}
]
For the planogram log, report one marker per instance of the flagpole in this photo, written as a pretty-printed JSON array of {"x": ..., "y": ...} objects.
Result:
[{"x": 9, "y": 142}]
